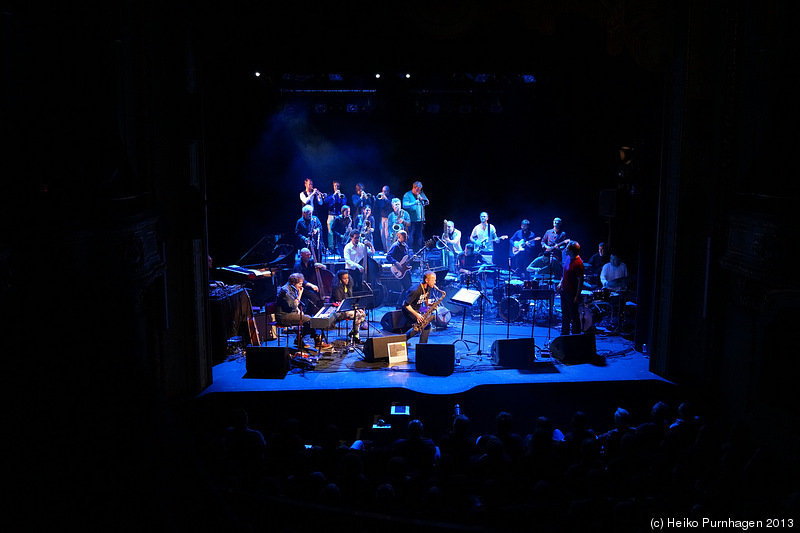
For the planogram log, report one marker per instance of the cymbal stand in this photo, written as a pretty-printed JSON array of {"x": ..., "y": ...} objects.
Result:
[{"x": 507, "y": 295}]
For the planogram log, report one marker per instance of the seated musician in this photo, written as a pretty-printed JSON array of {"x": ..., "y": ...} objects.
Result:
[
  {"x": 468, "y": 262},
  {"x": 306, "y": 266},
  {"x": 614, "y": 269},
  {"x": 397, "y": 251},
  {"x": 344, "y": 289},
  {"x": 416, "y": 304},
  {"x": 289, "y": 311}
]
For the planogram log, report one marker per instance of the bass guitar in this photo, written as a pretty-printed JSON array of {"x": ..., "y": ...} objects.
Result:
[
  {"x": 520, "y": 245},
  {"x": 479, "y": 247},
  {"x": 400, "y": 268}
]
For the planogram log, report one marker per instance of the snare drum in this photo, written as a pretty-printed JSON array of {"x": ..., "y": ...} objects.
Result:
[{"x": 602, "y": 295}]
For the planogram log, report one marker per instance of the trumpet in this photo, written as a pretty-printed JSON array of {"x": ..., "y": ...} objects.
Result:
[
  {"x": 381, "y": 196},
  {"x": 366, "y": 195},
  {"x": 322, "y": 195},
  {"x": 338, "y": 194}
]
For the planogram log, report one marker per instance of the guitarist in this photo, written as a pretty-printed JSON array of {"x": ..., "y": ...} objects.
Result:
[
  {"x": 484, "y": 236},
  {"x": 521, "y": 249},
  {"x": 416, "y": 304},
  {"x": 553, "y": 241},
  {"x": 397, "y": 252}
]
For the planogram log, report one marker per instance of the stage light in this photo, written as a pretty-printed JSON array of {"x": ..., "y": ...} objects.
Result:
[
  {"x": 408, "y": 76},
  {"x": 258, "y": 74},
  {"x": 352, "y": 108},
  {"x": 528, "y": 78},
  {"x": 378, "y": 75},
  {"x": 335, "y": 77}
]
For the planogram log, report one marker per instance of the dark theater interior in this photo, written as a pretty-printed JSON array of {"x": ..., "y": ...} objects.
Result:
[{"x": 168, "y": 167}]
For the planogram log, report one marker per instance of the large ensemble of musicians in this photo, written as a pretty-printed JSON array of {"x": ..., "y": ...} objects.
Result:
[{"x": 369, "y": 237}]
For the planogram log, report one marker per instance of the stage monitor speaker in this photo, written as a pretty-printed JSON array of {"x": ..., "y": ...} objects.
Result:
[
  {"x": 514, "y": 353},
  {"x": 435, "y": 359},
  {"x": 380, "y": 348},
  {"x": 574, "y": 349},
  {"x": 608, "y": 203},
  {"x": 395, "y": 322},
  {"x": 266, "y": 361}
]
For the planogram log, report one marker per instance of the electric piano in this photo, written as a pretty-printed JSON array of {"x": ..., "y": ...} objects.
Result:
[
  {"x": 325, "y": 318},
  {"x": 247, "y": 273}
]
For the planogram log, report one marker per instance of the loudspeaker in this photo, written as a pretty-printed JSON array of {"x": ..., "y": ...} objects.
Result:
[
  {"x": 574, "y": 349},
  {"x": 380, "y": 348},
  {"x": 514, "y": 353},
  {"x": 395, "y": 322},
  {"x": 268, "y": 361},
  {"x": 435, "y": 359},
  {"x": 608, "y": 203}
]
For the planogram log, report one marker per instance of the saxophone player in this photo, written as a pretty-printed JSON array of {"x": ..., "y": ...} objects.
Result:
[
  {"x": 416, "y": 302},
  {"x": 398, "y": 220},
  {"x": 366, "y": 224}
]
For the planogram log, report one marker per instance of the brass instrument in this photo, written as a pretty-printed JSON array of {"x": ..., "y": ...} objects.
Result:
[
  {"x": 365, "y": 229},
  {"x": 338, "y": 194},
  {"x": 381, "y": 196},
  {"x": 440, "y": 244},
  {"x": 322, "y": 195}
]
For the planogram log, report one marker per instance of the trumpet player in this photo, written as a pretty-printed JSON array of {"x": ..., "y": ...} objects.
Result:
[
  {"x": 334, "y": 202},
  {"x": 360, "y": 199},
  {"x": 415, "y": 202},
  {"x": 366, "y": 225},
  {"x": 399, "y": 219},
  {"x": 382, "y": 208},
  {"x": 310, "y": 195},
  {"x": 451, "y": 238}
]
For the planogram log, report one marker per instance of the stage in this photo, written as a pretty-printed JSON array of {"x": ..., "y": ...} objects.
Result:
[{"x": 616, "y": 360}]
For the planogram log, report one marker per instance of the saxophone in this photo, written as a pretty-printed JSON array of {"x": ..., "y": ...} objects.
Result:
[{"x": 428, "y": 316}]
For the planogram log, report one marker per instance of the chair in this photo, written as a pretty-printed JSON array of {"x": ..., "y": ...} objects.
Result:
[{"x": 287, "y": 330}]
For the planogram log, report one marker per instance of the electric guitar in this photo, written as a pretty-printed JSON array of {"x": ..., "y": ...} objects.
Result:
[
  {"x": 485, "y": 242},
  {"x": 522, "y": 243},
  {"x": 557, "y": 246}
]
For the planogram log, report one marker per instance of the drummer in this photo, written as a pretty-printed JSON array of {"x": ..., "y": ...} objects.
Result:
[
  {"x": 614, "y": 269},
  {"x": 468, "y": 262}
]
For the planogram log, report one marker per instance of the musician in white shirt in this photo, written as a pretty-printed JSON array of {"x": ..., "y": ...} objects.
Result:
[
  {"x": 612, "y": 270},
  {"x": 483, "y": 236},
  {"x": 310, "y": 195},
  {"x": 354, "y": 253}
]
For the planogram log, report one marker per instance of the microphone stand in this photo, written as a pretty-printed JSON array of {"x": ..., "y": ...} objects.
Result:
[{"x": 507, "y": 291}]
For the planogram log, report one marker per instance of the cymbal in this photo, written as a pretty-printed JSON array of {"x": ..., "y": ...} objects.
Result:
[{"x": 620, "y": 283}]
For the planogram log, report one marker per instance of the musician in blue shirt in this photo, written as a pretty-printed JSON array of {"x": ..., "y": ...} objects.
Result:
[{"x": 394, "y": 256}]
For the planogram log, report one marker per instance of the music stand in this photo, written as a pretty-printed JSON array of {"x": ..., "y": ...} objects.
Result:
[
  {"x": 465, "y": 298},
  {"x": 354, "y": 303}
]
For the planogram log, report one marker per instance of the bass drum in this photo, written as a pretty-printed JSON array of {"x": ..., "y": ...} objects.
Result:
[{"x": 509, "y": 309}]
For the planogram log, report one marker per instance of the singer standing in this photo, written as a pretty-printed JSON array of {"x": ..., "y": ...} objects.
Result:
[{"x": 415, "y": 201}]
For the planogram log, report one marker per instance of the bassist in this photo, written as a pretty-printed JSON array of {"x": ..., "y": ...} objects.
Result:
[
  {"x": 400, "y": 254},
  {"x": 416, "y": 304}
]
